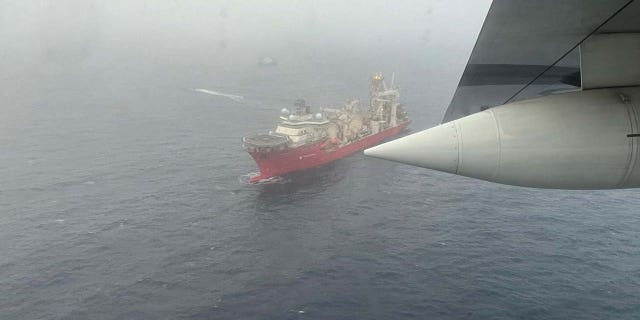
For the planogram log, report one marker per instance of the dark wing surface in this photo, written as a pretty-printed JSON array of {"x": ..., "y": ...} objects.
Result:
[{"x": 530, "y": 48}]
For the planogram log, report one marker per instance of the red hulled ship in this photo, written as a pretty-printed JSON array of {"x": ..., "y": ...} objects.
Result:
[{"x": 304, "y": 140}]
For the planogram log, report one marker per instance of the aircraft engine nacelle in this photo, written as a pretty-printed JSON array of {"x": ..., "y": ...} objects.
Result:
[{"x": 578, "y": 140}]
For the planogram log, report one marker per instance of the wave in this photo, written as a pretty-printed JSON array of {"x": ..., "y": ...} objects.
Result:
[{"x": 233, "y": 97}]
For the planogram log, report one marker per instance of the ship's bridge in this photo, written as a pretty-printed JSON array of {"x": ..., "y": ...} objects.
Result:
[{"x": 303, "y": 130}]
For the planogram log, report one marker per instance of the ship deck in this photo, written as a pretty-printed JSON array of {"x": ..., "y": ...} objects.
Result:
[{"x": 264, "y": 140}]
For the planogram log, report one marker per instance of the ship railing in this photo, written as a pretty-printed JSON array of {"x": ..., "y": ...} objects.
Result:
[{"x": 250, "y": 143}]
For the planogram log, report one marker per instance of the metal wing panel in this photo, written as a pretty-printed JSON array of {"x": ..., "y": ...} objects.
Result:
[
  {"x": 520, "y": 37},
  {"x": 610, "y": 60}
]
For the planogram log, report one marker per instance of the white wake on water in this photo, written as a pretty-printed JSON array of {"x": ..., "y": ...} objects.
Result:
[
  {"x": 233, "y": 97},
  {"x": 246, "y": 178}
]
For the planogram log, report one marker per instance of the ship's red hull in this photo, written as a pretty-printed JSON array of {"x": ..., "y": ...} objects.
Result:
[{"x": 277, "y": 163}]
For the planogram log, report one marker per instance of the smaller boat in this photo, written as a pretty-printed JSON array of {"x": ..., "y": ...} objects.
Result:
[
  {"x": 268, "y": 61},
  {"x": 304, "y": 140}
]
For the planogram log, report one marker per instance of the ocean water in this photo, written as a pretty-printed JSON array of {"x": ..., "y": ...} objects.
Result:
[{"x": 121, "y": 198}]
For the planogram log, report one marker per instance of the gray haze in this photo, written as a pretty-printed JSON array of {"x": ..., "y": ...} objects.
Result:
[
  {"x": 120, "y": 159},
  {"x": 44, "y": 43}
]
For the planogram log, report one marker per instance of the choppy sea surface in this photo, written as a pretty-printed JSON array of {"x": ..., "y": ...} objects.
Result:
[{"x": 121, "y": 198}]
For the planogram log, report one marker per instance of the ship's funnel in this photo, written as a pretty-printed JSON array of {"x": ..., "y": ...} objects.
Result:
[{"x": 579, "y": 140}]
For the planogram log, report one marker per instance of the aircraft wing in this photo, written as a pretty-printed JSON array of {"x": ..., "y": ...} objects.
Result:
[
  {"x": 503, "y": 123},
  {"x": 531, "y": 48}
]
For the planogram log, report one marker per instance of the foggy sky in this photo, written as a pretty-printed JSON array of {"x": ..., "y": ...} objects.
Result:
[
  {"x": 68, "y": 32},
  {"x": 46, "y": 45}
]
